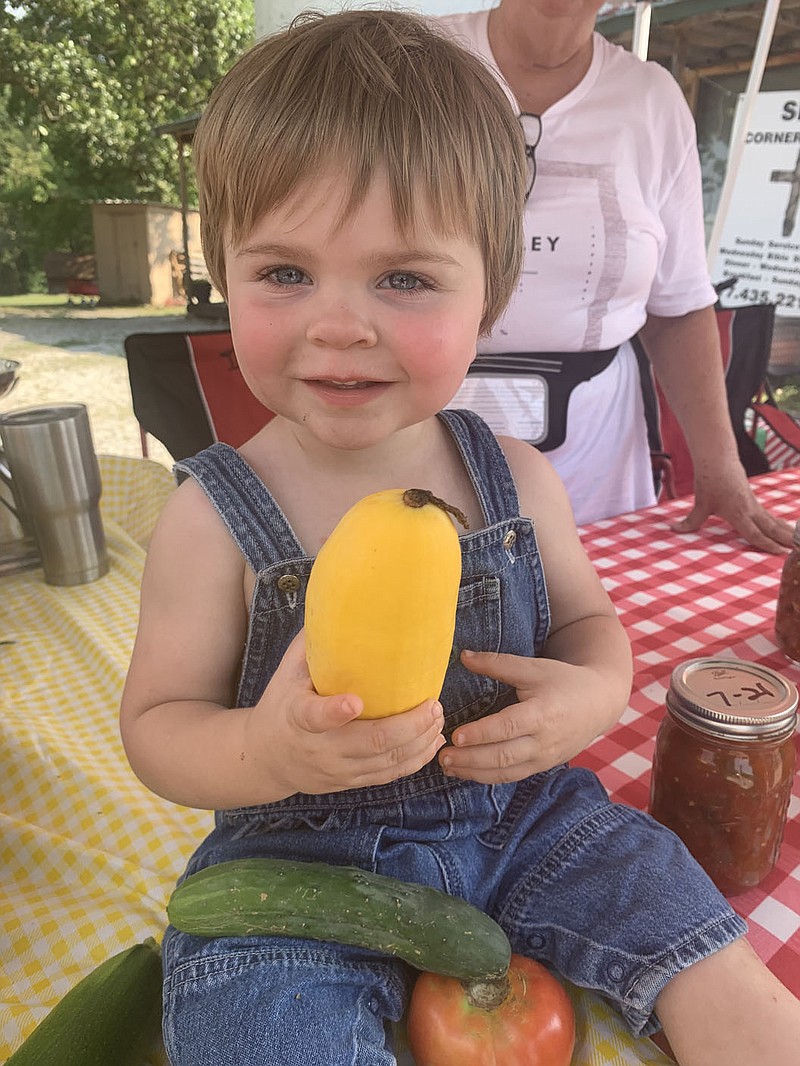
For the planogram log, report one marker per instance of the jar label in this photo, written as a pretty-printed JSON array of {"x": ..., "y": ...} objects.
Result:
[{"x": 729, "y": 690}]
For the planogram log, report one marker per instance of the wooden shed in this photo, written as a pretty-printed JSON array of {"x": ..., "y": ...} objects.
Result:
[{"x": 137, "y": 246}]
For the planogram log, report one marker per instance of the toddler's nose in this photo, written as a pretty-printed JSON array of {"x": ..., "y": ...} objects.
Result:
[{"x": 342, "y": 326}]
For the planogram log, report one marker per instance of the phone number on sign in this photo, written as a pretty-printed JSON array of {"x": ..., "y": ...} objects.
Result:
[{"x": 764, "y": 296}]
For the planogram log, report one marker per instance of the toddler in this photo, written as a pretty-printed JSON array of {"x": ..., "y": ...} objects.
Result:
[{"x": 361, "y": 183}]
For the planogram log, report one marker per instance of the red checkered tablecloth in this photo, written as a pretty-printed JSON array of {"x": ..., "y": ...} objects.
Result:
[{"x": 681, "y": 596}]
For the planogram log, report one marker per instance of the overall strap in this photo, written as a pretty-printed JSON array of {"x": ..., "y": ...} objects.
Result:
[
  {"x": 244, "y": 503},
  {"x": 486, "y": 464}
]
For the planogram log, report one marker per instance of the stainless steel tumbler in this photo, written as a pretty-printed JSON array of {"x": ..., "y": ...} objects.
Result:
[{"x": 55, "y": 479}]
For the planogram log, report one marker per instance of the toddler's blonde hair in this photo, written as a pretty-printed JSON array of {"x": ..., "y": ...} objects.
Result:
[{"x": 360, "y": 91}]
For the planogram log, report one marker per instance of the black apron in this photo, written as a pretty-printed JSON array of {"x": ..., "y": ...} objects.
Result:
[{"x": 558, "y": 372}]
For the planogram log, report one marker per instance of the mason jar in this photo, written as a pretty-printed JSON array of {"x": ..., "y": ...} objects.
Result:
[
  {"x": 787, "y": 611},
  {"x": 724, "y": 764}
]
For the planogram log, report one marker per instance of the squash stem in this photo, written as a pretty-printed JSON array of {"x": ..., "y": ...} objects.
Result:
[
  {"x": 422, "y": 497},
  {"x": 487, "y": 994}
]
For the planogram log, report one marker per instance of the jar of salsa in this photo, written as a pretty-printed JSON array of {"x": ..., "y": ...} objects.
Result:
[
  {"x": 787, "y": 614},
  {"x": 724, "y": 764}
]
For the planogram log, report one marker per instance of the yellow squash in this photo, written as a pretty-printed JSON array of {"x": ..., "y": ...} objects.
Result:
[{"x": 381, "y": 601}]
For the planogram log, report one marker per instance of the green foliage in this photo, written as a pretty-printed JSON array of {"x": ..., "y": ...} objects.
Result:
[
  {"x": 25, "y": 185},
  {"x": 82, "y": 84}
]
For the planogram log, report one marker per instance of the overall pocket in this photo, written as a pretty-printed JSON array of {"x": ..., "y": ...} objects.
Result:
[{"x": 478, "y": 628}]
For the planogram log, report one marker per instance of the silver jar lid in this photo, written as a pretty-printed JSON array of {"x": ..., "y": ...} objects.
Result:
[{"x": 733, "y": 699}]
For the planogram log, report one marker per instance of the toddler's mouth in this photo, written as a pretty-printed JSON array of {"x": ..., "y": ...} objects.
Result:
[{"x": 345, "y": 385}]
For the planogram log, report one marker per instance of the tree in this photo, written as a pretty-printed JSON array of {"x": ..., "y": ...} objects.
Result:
[
  {"x": 82, "y": 84},
  {"x": 25, "y": 184}
]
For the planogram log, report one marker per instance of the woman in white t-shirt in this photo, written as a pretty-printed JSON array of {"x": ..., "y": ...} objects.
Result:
[{"x": 615, "y": 246}]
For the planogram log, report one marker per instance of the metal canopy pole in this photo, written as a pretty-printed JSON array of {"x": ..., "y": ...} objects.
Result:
[
  {"x": 763, "y": 44},
  {"x": 187, "y": 269},
  {"x": 641, "y": 28}
]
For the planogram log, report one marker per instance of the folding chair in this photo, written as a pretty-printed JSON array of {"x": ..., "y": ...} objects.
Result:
[
  {"x": 745, "y": 341},
  {"x": 188, "y": 391},
  {"x": 777, "y": 433}
]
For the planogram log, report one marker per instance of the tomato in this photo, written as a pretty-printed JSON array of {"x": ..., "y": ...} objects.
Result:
[{"x": 533, "y": 1026}]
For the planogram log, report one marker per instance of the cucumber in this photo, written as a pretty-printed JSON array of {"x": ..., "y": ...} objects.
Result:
[
  {"x": 274, "y": 897},
  {"x": 112, "y": 1017}
]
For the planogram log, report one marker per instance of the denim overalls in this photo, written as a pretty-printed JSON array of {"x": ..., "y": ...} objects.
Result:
[{"x": 601, "y": 892}]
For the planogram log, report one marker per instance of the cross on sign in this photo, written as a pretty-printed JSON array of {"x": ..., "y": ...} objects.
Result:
[{"x": 793, "y": 177}]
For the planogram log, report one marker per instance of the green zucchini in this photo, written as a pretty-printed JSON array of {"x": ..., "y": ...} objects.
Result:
[
  {"x": 112, "y": 1017},
  {"x": 275, "y": 897}
]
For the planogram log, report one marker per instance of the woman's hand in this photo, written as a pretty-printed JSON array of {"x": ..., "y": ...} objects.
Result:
[
  {"x": 314, "y": 744},
  {"x": 560, "y": 710},
  {"x": 729, "y": 495},
  {"x": 685, "y": 353}
]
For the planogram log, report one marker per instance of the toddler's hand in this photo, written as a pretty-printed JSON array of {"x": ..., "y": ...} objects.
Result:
[
  {"x": 550, "y": 724},
  {"x": 314, "y": 744}
]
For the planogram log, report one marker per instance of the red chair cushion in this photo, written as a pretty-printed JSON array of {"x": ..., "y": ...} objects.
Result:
[{"x": 234, "y": 414}]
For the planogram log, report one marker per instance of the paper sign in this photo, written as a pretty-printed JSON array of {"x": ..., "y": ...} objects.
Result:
[{"x": 760, "y": 241}]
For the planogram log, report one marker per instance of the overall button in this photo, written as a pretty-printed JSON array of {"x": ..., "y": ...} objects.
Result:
[
  {"x": 536, "y": 941},
  {"x": 616, "y": 971},
  {"x": 509, "y": 540},
  {"x": 288, "y": 583}
]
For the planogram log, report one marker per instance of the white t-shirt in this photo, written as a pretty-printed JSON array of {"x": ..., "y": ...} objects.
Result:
[{"x": 614, "y": 230}]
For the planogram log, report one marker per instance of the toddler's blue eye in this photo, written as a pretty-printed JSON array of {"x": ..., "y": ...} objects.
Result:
[
  {"x": 287, "y": 276},
  {"x": 400, "y": 281},
  {"x": 403, "y": 282}
]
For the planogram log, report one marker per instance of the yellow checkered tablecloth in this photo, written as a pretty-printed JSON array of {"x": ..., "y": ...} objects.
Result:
[{"x": 88, "y": 856}]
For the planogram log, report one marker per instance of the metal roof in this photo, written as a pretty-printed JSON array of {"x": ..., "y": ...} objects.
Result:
[
  {"x": 182, "y": 129},
  {"x": 709, "y": 36}
]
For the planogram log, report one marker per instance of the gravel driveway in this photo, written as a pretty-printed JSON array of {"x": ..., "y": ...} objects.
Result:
[{"x": 76, "y": 353}]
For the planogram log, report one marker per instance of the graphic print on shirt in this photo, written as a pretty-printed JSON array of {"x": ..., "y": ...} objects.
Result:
[{"x": 586, "y": 243}]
